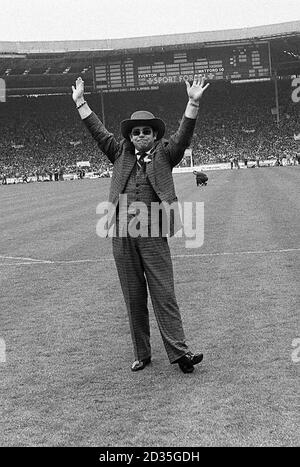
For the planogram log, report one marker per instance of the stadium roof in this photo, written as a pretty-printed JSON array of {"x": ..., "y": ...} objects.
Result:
[{"x": 258, "y": 33}]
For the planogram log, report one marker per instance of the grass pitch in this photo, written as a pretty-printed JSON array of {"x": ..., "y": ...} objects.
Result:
[{"x": 67, "y": 380}]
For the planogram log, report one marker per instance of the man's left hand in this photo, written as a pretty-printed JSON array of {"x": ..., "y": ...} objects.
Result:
[{"x": 197, "y": 89}]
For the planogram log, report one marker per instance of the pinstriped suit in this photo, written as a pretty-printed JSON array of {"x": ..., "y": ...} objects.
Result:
[{"x": 146, "y": 261}]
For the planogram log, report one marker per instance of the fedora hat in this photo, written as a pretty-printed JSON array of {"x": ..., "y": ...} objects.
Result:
[{"x": 142, "y": 117}]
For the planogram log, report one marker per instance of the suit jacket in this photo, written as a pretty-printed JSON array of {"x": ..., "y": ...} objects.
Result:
[{"x": 165, "y": 155}]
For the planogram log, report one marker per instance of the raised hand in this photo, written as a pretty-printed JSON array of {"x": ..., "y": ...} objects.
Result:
[
  {"x": 197, "y": 89},
  {"x": 78, "y": 90}
]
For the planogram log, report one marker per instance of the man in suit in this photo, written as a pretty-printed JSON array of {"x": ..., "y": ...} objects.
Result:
[{"x": 142, "y": 170}]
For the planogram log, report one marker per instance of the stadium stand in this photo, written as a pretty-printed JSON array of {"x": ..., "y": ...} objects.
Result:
[{"x": 41, "y": 135}]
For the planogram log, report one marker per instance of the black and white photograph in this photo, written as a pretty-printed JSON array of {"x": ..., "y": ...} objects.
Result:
[{"x": 150, "y": 219}]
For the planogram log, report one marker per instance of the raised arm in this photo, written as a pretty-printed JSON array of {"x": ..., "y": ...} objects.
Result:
[
  {"x": 78, "y": 98},
  {"x": 194, "y": 93},
  {"x": 183, "y": 136},
  {"x": 104, "y": 138}
]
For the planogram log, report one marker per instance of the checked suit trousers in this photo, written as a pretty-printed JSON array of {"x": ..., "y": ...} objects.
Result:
[
  {"x": 146, "y": 261},
  {"x": 141, "y": 261}
]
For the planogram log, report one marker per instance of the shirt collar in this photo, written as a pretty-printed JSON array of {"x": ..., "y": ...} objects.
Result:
[{"x": 138, "y": 156}]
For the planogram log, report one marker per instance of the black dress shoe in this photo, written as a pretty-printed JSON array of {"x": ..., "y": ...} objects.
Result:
[
  {"x": 186, "y": 362},
  {"x": 140, "y": 364}
]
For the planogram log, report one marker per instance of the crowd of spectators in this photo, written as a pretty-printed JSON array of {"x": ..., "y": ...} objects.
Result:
[
  {"x": 44, "y": 135},
  {"x": 240, "y": 121}
]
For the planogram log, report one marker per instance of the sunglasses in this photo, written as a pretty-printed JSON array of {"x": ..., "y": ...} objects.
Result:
[{"x": 144, "y": 131}]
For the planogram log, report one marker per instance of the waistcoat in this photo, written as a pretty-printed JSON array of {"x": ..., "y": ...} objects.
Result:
[{"x": 138, "y": 189}]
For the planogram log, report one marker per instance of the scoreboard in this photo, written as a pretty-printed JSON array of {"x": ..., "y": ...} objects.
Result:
[{"x": 151, "y": 71}]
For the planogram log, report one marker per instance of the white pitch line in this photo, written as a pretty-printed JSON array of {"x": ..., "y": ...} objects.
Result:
[
  {"x": 75, "y": 261},
  {"x": 232, "y": 253},
  {"x": 24, "y": 258},
  {"x": 100, "y": 260}
]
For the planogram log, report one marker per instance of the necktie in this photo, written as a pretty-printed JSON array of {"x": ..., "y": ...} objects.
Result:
[{"x": 140, "y": 162}]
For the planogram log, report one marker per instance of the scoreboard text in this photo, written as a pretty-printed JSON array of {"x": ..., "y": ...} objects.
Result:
[{"x": 150, "y": 71}]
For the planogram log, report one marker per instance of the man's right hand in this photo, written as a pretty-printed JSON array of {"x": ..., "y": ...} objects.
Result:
[
  {"x": 78, "y": 91},
  {"x": 78, "y": 98}
]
